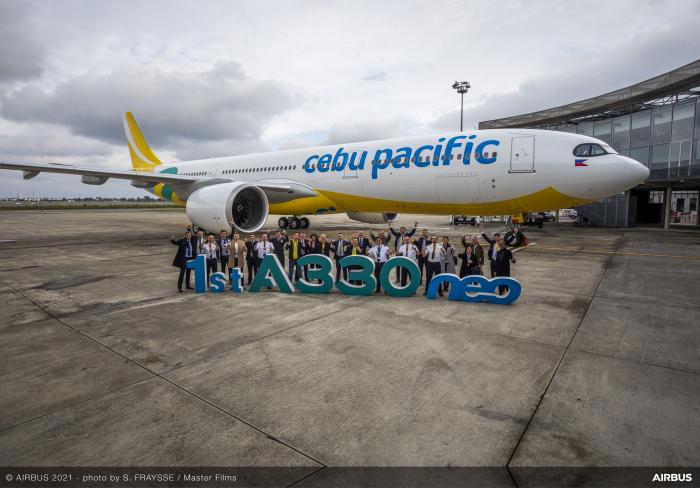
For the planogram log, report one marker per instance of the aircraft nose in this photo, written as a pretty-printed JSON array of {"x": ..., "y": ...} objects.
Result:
[{"x": 638, "y": 173}]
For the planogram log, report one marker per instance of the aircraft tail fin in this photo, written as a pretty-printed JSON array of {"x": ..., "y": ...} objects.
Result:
[{"x": 142, "y": 157}]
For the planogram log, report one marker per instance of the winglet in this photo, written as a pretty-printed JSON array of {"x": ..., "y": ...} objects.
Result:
[{"x": 142, "y": 157}]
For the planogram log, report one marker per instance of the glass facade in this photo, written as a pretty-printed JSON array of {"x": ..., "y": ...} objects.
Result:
[
  {"x": 666, "y": 139},
  {"x": 621, "y": 133},
  {"x": 602, "y": 130}
]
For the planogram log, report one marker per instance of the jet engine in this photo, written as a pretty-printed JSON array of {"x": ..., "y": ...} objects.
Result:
[
  {"x": 214, "y": 207},
  {"x": 373, "y": 218}
]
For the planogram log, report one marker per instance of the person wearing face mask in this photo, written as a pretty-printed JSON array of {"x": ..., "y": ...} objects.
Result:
[{"x": 433, "y": 255}]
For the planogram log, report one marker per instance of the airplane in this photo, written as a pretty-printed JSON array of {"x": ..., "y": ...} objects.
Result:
[{"x": 480, "y": 172}]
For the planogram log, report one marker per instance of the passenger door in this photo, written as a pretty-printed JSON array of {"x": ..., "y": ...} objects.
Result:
[{"x": 522, "y": 154}]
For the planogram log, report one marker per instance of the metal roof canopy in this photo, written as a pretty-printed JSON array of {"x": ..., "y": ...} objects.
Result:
[{"x": 673, "y": 82}]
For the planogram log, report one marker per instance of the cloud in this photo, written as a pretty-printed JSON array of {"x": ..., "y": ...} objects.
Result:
[
  {"x": 215, "y": 108},
  {"x": 669, "y": 48},
  {"x": 368, "y": 130},
  {"x": 21, "y": 56}
]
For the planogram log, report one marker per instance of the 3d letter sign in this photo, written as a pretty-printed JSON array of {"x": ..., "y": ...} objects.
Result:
[{"x": 360, "y": 279}]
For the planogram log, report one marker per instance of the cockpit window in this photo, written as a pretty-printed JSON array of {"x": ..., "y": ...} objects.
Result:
[{"x": 589, "y": 150}]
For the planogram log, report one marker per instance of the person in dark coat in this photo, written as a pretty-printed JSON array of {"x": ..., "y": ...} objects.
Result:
[
  {"x": 278, "y": 242},
  {"x": 503, "y": 259},
  {"x": 185, "y": 253},
  {"x": 470, "y": 262},
  {"x": 363, "y": 242},
  {"x": 354, "y": 249},
  {"x": 251, "y": 257},
  {"x": 493, "y": 249},
  {"x": 476, "y": 249},
  {"x": 422, "y": 243}
]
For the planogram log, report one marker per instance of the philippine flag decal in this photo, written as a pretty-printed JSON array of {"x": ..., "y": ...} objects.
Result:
[{"x": 580, "y": 162}]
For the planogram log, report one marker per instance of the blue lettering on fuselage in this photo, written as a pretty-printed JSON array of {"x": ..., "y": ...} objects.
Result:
[{"x": 405, "y": 157}]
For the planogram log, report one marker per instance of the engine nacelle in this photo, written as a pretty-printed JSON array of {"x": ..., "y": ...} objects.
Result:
[
  {"x": 214, "y": 207},
  {"x": 373, "y": 218}
]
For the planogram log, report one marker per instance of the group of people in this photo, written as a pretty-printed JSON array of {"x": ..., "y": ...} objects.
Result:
[{"x": 431, "y": 254}]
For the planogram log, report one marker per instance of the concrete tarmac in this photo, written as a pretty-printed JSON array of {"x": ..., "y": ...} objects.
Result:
[{"x": 103, "y": 363}]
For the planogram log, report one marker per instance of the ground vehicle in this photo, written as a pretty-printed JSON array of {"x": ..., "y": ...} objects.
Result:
[{"x": 463, "y": 219}]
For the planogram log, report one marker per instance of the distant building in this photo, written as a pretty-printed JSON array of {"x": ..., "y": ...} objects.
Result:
[{"x": 656, "y": 122}]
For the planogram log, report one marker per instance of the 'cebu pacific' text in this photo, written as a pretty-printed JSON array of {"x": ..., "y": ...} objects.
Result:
[{"x": 457, "y": 148}]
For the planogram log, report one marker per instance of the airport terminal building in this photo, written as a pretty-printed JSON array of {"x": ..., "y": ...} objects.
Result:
[{"x": 656, "y": 122}]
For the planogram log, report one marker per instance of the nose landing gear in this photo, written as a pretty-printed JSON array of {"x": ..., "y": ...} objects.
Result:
[{"x": 293, "y": 223}]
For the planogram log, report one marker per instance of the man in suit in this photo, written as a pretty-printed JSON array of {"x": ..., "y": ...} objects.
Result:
[
  {"x": 211, "y": 251},
  {"x": 296, "y": 251},
  {"x": 185, "y": 253},
  {"x": 422, "y": 243},
  {"x": 251, "y": 259},
  {"x": 493, "y": 250},
  {"x": 338, "y": 247},
  {"x": 380, "y": 254},
  {"x": 278, "y": 243},
  {"x": 399, "y": 241},
  {"x": 198, "y": 242},
  {"x": 236, "y": 252},
  {"x": 363, "y": 242},
  {"x": 433, "y": 255},
  {"x": 223, "y": 250}
]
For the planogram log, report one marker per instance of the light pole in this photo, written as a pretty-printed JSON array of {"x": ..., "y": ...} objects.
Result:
[{"x": 462, "y": 87}]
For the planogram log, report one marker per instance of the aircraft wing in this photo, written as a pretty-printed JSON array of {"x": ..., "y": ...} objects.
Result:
[
  {"x": 145, "y": 179},
  {"x": 31, "y": 170}
]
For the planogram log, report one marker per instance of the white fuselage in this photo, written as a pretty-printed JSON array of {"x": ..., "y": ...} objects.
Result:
[{"x": 490, "y": 171}]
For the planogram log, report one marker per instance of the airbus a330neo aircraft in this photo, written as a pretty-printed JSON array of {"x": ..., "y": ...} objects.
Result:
[{"x": 487, "y": 172}]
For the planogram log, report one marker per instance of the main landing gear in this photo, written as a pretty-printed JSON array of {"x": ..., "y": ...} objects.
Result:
[{"x": 293, "y": 223}]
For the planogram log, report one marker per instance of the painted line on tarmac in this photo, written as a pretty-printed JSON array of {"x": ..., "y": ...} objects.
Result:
[{"x": 617, "y": 252}]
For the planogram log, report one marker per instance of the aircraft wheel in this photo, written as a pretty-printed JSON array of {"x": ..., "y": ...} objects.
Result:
[
  {"x": 283, "y": 222},
  {"x": 305, "y": 223},
  {"x": 294, "y": 223}
]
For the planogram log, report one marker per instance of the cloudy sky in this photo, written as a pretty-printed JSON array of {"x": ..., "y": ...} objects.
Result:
[{"x": 213, "y": 78}]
